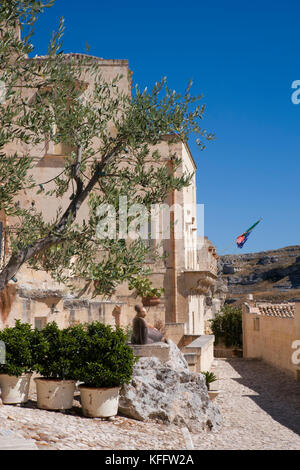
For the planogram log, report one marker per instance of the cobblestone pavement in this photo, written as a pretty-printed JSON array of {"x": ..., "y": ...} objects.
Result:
[
  {"x": 260, "y": 408},
  {"x": 52, "y": 430}
]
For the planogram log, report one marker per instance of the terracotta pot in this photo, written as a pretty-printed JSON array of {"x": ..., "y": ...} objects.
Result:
[
  {"x": 99, "y": 402},
  {"x": 150, "y": 301},
  {"x": 14, "y": 389},
  {"x": 54, "y": 394}
]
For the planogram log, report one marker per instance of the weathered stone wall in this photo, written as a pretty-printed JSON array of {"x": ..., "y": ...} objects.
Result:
[
  {"x": 35, "y": 298},
  {"x": 270, "y": 338}
]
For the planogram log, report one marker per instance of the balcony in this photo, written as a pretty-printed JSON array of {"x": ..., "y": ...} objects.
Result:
[
  {"x": 201, "y": 271},
  {"x": 202, "y": 260}
]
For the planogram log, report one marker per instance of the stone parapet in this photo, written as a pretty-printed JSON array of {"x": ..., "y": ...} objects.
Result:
[
  {"x": 203, "y": 348},
  {"x": 159, "y": 350}
]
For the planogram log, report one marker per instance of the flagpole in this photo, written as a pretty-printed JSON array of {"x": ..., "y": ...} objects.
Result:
[{"x": 233, "y": 243}]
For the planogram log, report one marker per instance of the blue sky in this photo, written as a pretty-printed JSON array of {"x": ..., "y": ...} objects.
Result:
[{"x": 243, "y": 57}]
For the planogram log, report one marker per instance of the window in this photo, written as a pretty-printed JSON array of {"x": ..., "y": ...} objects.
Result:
[
  {"x": 40, "y": 322},
  {"x": 256, "y": 324}
]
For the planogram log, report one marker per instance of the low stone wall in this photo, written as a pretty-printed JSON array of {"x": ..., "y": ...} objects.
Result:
[
  {"x": 199, "y": 354},
  {"x": 271, "y": 338},
  {"x": 220, "y": 350},
  {"x": 203, "y": 347},
  {"x": 159, "y": 350}
]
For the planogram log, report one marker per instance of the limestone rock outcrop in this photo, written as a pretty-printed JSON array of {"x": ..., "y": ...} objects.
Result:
[
  {"x": 270, "y": 275},
  {"x": 168, "y": 392}
]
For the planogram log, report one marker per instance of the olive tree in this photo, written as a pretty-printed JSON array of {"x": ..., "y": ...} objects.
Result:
[{"x": 112, "y": 134}]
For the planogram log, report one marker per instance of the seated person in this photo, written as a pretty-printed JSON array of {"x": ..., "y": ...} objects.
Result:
[{"x": 143, "y": 333}]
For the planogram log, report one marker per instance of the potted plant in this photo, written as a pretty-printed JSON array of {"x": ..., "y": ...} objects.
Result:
[
  {"x": 106, "y": 363},
  {"x": 16, "y": 371},
  {"x": 209, "y": 378},
  {"x": 150, "y": 295},
  {"x": 57, "y": 362}
]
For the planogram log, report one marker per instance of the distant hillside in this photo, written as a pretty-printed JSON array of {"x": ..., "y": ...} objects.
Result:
[{"x": 269, "y": 275}]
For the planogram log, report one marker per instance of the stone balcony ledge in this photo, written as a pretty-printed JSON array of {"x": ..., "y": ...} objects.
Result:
[{"x": 199, "y": 282}]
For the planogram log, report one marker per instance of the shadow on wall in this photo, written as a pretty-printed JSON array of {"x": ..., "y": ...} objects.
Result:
[
  {"x": 278, "y": 393},
  {"x": 7, "y": 298}
]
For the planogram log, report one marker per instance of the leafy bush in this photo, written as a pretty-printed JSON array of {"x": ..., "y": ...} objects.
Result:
[
  {"x": 18, "y": 342},
  {"x": 58, "y": 351},
  {"x": 105, "y": 358},
  {"x": 94, "y": 353},
  {"x": 227, "y": 326}
]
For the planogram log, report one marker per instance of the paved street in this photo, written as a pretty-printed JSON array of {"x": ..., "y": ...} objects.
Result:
[{"x": 260, "y": 408}]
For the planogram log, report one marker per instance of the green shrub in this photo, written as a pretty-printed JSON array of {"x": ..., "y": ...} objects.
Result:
[
  {"x": 58, "y": 351},
  {"x": 227, "y": 326},
  {"x": 18, "y": 342},
  {"x": 105, "y": 358}
]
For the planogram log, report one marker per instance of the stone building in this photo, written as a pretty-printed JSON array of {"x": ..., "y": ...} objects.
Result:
[
  {"x": 272, "y": 332},
  {"x": 187, "y": 272}
]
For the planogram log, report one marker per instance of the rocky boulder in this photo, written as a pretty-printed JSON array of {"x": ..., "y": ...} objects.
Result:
[
  {"x": 168, "y": 392},
  {"x": 176, "y": 360}
]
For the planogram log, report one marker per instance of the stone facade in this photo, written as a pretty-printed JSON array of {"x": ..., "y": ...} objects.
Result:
[{"x": 188, "y": 274}]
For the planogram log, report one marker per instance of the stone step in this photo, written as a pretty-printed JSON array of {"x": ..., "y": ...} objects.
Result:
[{"x": 8, "y": 443}]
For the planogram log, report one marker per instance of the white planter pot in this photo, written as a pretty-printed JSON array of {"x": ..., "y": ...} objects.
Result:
[
  {"x": 14, "y": 389},
  {"x": 99, "y": 402},
  {"x": 213, "y": 394},
  {"x": 54, "y": 394}
]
